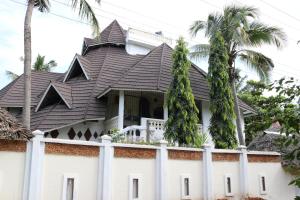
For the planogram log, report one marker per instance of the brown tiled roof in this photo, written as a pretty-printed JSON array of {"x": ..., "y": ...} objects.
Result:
[
  {"x": 113, "y": 34},
  {"x": 109, "y": 67},
  {"x": 13, "y": 94}
]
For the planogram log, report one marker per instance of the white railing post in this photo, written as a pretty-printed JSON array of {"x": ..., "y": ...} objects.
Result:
[
  {"x": 35, "y": 167},
  {"x": 207, "y": 172},
  {"x": 165, "y": 107},
  {"x": 105, "y": 167},
  {"x": 243, "y": 171},
  {"x": 121, "y": 110},
  {"x": 161, "y": 171}
]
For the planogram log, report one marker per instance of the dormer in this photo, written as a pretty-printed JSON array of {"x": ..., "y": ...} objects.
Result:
[
  {"x": 54, "y": 94},
  {"x": 79, "y": 67}
]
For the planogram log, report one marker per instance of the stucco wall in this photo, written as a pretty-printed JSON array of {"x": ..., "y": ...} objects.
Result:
[
  {"x": 176, "y": 168},
  {"x": 121, "y": 170},
  {"x": 55, "y": 166},
  {"x": 276, "y": 181},
  {"x": 11, "y": 175},
  {"x": 220, "y": 169}
]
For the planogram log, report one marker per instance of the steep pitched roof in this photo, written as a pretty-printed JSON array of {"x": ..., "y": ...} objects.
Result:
[
  {"x": 63, "y": 91},
  {"x": 113, "y": 34},
  {"x": 13, "y": 94},
  {"x": 108, "y": 66}
]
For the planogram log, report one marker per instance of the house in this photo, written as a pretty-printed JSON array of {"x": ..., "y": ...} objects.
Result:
[{"x": 118, "y": 82}]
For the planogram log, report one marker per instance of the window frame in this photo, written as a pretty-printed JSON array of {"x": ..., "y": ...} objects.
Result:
[
  {"x": 182, "y": 183},
  {"x": 65, "y": 185},
  {"x": 261, "y": 190},
  {"x": 139, "y": 189},
  {"x": 228, "y": 193}
]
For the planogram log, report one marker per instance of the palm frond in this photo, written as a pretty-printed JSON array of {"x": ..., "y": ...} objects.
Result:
[
  {"x": 258, "y": 62},
  {"x": 86, "y": 12},
  {"x": 199, "y": 51},
  {"x": 260, "y": 33},
  {"x": 42, "y": 5},
  {"x": 39, "y": 63},
  {"x": 11, "y": 75},
  {"x": 196, "y": 27},
  {"x": 245, "y": 11}
]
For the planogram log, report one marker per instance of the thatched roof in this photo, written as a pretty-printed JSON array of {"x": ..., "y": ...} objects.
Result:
[
  {"x": 11, "y": 129},
  {"x": 271, "y": 142}
]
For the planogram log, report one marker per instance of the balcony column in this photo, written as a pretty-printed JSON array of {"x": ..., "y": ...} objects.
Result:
[
  {"x": 121, "y": 110},
  {"x": 165, "y": 107}
]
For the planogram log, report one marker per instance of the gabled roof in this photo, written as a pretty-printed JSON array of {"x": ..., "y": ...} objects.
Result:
[
  {"x": 79, "y": 65},
  {"x": 108, "y": 67},
  {"x": 62, "y": 90}
]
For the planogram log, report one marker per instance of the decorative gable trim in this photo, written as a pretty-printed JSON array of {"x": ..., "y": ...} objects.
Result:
[
  {"x": 46, "y": 92},
  {"x": 76, "y": 58}
]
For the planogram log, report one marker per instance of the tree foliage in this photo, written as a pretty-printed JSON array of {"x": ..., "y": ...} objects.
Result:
[
  {"x": 279, "y": 107},
  {"x": 181, "y": 125},
  {"x": 221, "y": 127},
  {"x": 241, "y": 30}
]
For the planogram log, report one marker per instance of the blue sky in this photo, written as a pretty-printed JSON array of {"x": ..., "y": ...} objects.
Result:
[{"x": 59, "y": 38}]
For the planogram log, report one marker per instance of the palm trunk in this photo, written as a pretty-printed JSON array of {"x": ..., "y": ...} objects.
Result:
[
  {"x": 27, "y": 64},
  {"x": 238, "y": 114}
]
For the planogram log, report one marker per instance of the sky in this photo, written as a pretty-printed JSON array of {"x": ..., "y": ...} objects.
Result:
[{"x": 59, "y": 34}]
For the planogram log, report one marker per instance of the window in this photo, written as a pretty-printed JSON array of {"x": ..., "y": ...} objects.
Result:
[
  {"x": 228, "y": 185},
  {"x": 135, "y": 187},
  {"x": 69, "y": 187},
  {"x": 185, "y": 186},
  {"x": 262, "y": 184}
]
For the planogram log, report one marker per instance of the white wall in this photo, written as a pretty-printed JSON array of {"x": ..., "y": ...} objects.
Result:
[
  {"x": 55, "y": 166},
  {"x": 176, "y": 168},
  {"x": 11, "y": 175},
  {"x": 220, "y": 169},
  {"x": 277, "y": 181},
  {"x": 123, "y": 167}
]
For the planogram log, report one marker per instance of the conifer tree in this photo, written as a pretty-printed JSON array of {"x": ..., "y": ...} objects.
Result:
[
  {"x": 182, "y": 122},
  {"x": 221, "y": 127}
]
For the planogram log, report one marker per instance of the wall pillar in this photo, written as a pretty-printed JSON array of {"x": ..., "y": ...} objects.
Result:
[
  {"x": 244, "y": 188},
  {"x": 207, "y": 172},
  {"x": 121, "y": 110},
  {"x": 166, "y": 114},
  {"x": 37, "y": 150},
  {"x": 105, "y": 168},
  {"x": 161, "y": 171}
]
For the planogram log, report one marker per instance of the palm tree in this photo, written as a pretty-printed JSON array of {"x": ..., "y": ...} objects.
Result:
[
  {"x": 242, "y": 33},
  {"x": 85, "y": 12},
  {"x": 39, "y": 65}
]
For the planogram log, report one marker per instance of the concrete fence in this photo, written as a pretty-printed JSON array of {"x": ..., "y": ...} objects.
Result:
[{"x": 46, "y": 168}]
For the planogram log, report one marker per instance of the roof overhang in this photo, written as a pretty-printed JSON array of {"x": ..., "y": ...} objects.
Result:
[
  {"x": 126, "y": 89},
  {"x": 74, "y": 123},
  {"x": 76, "y": 58}
]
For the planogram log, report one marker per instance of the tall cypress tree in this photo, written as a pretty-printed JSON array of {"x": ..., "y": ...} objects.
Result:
[
  {"x": 221, "y": 127},
  {"x": 181, "y": 125}
]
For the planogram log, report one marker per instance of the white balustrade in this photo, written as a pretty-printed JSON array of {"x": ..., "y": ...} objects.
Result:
[{"x": 131, "y": 135}]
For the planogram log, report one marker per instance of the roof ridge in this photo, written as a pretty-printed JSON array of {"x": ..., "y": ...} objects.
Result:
[
  {"x": 95, "y": 85},
  {"x": 161, "y": 62}
]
